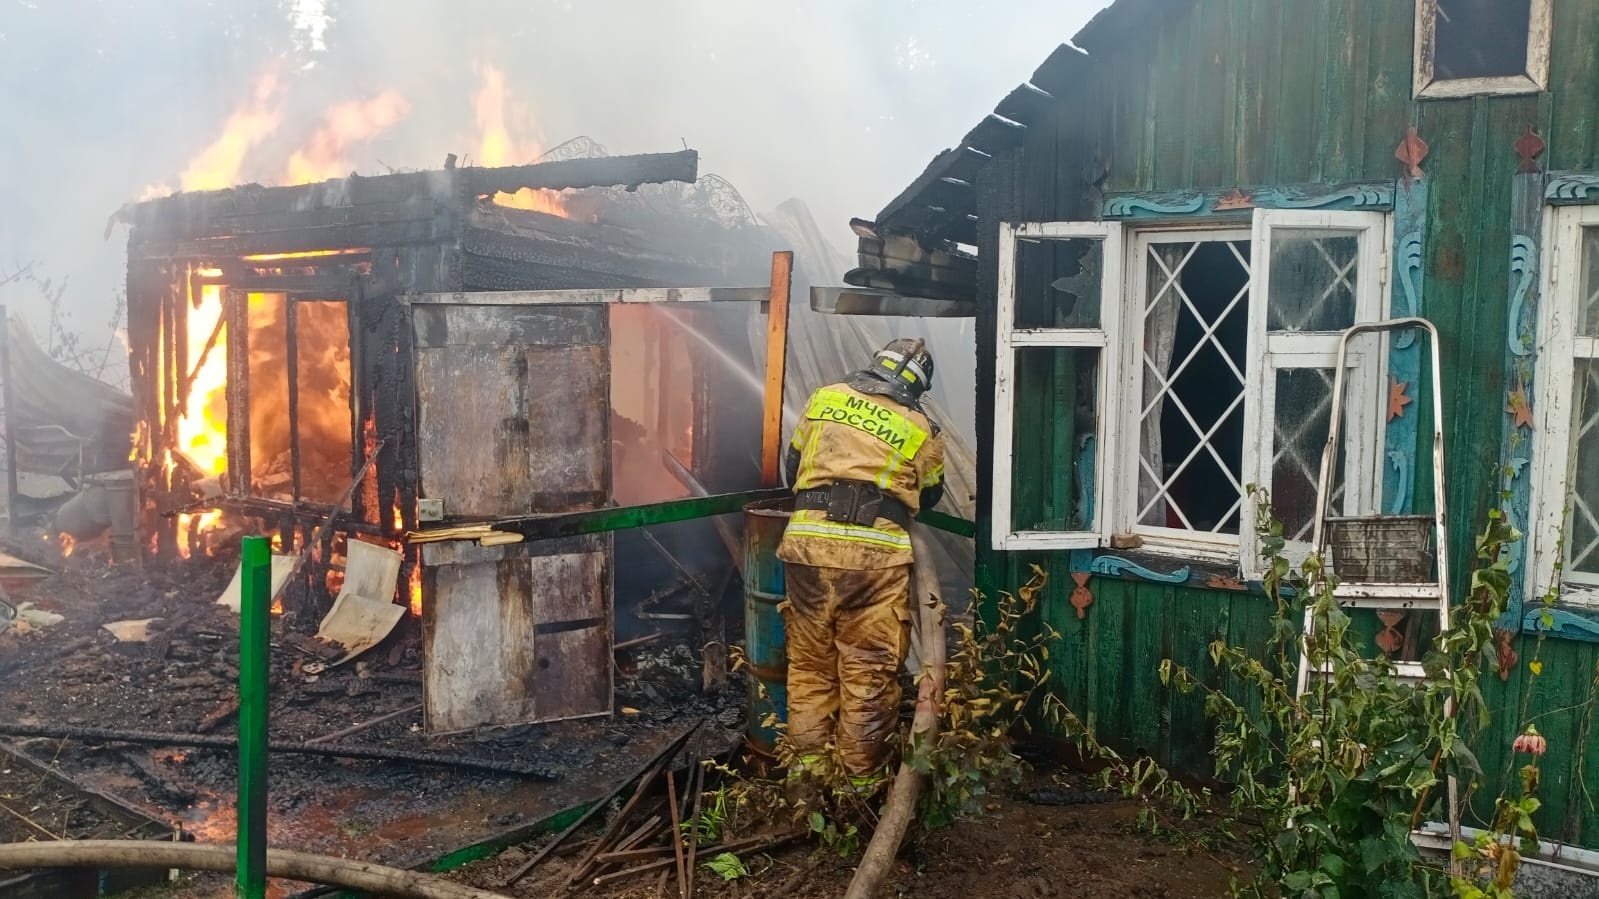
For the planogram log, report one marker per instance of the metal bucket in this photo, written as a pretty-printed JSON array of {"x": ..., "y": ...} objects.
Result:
[
  {"x": 122, "y": 506},
  {"x": 1382, "y": 549},
  {"x": 764, "y": 643}
]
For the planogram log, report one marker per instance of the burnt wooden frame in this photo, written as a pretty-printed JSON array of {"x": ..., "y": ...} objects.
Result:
[
  {"x": 411, "y": 233},
  {"x": 236, "y": 316}
]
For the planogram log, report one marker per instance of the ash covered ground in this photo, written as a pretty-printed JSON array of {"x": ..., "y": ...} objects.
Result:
[{"x": 75, "y": 673}]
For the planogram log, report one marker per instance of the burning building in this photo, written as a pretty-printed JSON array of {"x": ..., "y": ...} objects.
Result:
[{"x": 280, "y": 338}]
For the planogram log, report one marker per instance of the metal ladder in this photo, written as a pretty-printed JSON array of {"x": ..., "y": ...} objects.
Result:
[
  {"x": 1430, "y": 595},
  {"x": 1427, "y": 595}
]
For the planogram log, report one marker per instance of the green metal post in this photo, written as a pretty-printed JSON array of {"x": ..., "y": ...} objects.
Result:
[{"x": 254, "y": 615}]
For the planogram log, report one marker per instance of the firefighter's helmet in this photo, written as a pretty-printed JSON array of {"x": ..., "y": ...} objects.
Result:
[{"x": 906, "y": 363}]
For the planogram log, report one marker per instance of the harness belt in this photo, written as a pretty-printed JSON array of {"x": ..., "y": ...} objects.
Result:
[{"x": 854, "y": 502}]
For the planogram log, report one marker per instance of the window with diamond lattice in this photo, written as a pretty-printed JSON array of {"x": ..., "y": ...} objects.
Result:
[
  {"x": 1316, "y": 275},
  {"x": 1190, "y": 422},
  {"x": 1566, "y": 495},
  {"x": 1213, "y": 372},
  {"x": 1235, "y": 375}
]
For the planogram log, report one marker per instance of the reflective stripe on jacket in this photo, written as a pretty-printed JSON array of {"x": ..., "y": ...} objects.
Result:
[{"x": 846, "y": 435}]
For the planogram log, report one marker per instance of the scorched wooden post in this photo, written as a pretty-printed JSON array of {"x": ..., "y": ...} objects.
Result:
[{"x": 776, "y": 358}]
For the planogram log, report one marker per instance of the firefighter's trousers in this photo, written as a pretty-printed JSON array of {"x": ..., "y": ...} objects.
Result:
[{"x": 847, "y": 631}]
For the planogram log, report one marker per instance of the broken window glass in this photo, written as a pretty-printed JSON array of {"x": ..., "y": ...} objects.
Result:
[
  {"x": 1054, "y": 446},
  {"x": 1058, "y": 282}
]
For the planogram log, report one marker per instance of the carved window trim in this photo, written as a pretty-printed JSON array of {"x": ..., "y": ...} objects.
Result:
[{"x": 1534, "y": 80}]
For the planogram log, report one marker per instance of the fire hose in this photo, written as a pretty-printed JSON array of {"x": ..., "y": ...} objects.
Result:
[
  {"x": 927, "y": 610},
  {"x": 346, "y": 873}
]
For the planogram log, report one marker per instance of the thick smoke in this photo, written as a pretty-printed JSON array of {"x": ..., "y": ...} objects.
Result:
[{"x": 839, "y": 102}]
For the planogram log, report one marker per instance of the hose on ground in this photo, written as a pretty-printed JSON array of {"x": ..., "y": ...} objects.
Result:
[{"x": 346, "y": 873}]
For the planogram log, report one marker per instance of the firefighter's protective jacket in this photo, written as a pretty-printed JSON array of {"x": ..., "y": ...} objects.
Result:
[{"x": 846, "y": 435}]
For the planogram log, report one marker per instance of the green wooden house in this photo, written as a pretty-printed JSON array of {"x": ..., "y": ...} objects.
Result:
[{"x": 1162, "y": 234}]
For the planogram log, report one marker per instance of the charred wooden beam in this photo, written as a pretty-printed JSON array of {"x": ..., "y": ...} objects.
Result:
[
  {"x": 192, "y": 213},
  {"x": 865, "y": 301},
  {"x": 605, "y": 171},
  {"x": 535, "y": 251},
  {"x": 156, "y": 738},
  {"x": 291, "y": 512},
  {"x": 1026, "y": 104},
  {"x": 960, "y": 164},
  {"x": 1065, "y": 69},
  {"x": 596, "y": 297},
  {"x": 294, "y": 241},
  {"x": 321, "y": 286}
]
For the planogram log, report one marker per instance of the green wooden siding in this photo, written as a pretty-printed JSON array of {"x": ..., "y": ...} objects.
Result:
[{"x": 1284, "y": 92}]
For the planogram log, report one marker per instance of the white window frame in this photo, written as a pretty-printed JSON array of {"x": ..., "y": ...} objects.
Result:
[
  {"x": 1199, "y": 545},
  {"x": 1558, "y": 348},
  {"x": 1123, "y": 294},
  {"x": 1009, "y": 338},
  {"x": 1362, "y": 425},
  {"x": 1536, "y": 79}
]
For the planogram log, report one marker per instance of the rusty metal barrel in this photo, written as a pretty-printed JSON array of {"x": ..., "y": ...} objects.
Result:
[{"x": 764, "y": 643}]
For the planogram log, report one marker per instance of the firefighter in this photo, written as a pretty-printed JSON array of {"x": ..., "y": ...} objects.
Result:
[{"x": 864, "y": 460}]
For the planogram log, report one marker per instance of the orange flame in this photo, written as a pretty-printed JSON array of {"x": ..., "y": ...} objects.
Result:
[
  {"x": 67, "y": 544},
  {"x": 307, "y": 254},
  {"x": 196, "y": 523},
  {"x": 141, "y": 431},
  {"x": 202, "y": 423},
  {"x": 345, "y": 124},
  {"x": 496, "y": 146},
  {"x": 277, "y": 606},
  {"x": 219, "y": 165},
  {"x": 416, "y": 590}
]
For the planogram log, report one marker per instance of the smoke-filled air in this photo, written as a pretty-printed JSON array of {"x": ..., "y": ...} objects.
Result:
[{"x": 836, "y": 103}]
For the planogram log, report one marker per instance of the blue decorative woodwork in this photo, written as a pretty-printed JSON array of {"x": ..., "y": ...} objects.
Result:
[
  {"x": 1561, "y": 623},
  {"x": 1354, "y": 196},
  {"x": 1523, "y": 271},
  {"x": 1408, "y": 273},
  {"x": 1373, "y": 196},
  {"x": 1397, "y": 501},
  {"x": 1117, "y": 566},
  {"x": 1157, "y": 204},
  {"x": 1401, "y": 432},
  {"x": 1079, "y": 560},
  {"x": 1572, "y": 188},
  {"x": 1521, "y": 356}
]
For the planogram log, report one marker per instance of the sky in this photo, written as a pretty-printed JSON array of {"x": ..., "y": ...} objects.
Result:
[{"x": 839, "y": 103}]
